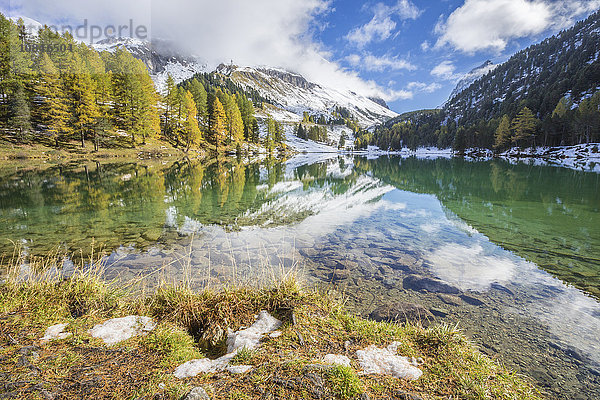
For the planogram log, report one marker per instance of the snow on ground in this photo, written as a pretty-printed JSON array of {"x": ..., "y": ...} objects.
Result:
[
  {"x": 308, "y": 146},
  {"x": 421, "y": 152},
  {"x": 278, "y": 114},
  {"x": 290, "y": 121},
  {"x": 118, "y": 329},
  {"x": 374, "y": 360},
  {"x": 132, "y": 44},
  {"x": 584, "y": 157},
  {"x": 247, "y": 338},
  {"x": 55, "y": 332}
]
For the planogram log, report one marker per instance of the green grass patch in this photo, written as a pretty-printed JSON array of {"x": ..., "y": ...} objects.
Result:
[
  {"x": 193, "y": 325},
  {"x": 173, "y": 343},
  {"x": 345, "y": 382}
]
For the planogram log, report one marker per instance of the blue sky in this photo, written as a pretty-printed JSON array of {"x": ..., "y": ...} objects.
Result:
[
  {"x": 398, "y": 49},
  {"x": 408, "y": 52}
]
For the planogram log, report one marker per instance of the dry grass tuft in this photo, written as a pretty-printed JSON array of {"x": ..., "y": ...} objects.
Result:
[{"x": 191, "y": 325}]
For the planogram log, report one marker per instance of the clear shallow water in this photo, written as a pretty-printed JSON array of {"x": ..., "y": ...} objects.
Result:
[{"x": 523, "y": 240}]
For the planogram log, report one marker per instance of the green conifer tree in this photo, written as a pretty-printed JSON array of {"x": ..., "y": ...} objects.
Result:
[
  {"x": 20, "y": 118},
  {"x": 523, "y": 126},
  {"x": 269, "y": 142},
  {"x": 200, "y": 98}
]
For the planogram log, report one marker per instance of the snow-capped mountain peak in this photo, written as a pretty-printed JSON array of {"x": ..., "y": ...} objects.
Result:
[
  {"x": 161, "y": 58},
  {"x": 294, "y": 93},
  {"x": 468, "y": 79}
]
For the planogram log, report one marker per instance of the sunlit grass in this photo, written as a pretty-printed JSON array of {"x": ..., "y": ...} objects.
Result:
[{"x": 195, "y": 325}]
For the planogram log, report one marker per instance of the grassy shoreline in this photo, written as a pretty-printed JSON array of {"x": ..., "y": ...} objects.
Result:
[
  {"x": 73, "y": 151},
  {"x": 195, "y": 325}
]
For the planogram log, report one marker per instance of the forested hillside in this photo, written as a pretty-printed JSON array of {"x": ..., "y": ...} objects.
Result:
[
  {"x": 56, "y": 91},
  {"x": 545, "y": 95}
]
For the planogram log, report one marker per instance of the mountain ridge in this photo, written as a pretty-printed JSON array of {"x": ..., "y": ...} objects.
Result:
[{"x": 472, "y": 76}]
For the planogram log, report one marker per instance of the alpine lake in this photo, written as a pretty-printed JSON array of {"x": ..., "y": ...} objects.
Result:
[{"x": 508, "y": 252}]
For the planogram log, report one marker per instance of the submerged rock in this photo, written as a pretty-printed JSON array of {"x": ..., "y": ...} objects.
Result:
[
  {"x": 474, "y": 301},
  {"x": 401, "y": 312},
  {"x": 418, "y": 282},
  {"x": 449, "y": 299},
  {"x": 152, "y": 235},
  {"x": 338, "y": 275},
  {"x": 438, "y": 312},
  {"x": 501, "y": 288}
]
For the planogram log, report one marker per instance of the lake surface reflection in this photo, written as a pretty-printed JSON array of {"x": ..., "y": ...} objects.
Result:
[{"x": 516, "y": 247}]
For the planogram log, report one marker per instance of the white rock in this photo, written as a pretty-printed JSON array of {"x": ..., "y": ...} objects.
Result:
[
  {"x": 55, "y": 332},
  {"x": 118, "y": 329},
  {"x": 374, "y": 360},
  {"x": 197, "y": 393},
  {"x": 202, "y": 366},
  {"x": 250, "y": 337},
  {"x": 336, "y": 359},
  {"x": 275, "y": 334},
  {"x": 239, "y": 369}
]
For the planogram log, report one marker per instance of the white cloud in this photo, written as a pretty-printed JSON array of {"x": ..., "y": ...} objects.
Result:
[
  {"x": 277, "y": 33},
  {"x": 425, "y": 46},
  {"x": 399, "y": 94},
  {"x": 354, "y": 59},
  {"x": 471, "y": 267},
  {"x": 491, "y": 24},
  {"x": 423, "y": 87},
  {"x": 382, "y": 25},
  {"x": 445, "y": 70},
  {"x": 369, "y": 62},
  {"x": 376, "y": 29}
]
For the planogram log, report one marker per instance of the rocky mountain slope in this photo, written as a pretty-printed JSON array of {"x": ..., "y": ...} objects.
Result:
[
  {"x": 289, "y": 91},
  {"x": 472, "y": 76},
  {"x": 161, "y": 57},
  {"x": 567, "y": 64},
  {"x": 294, "y": 93}
]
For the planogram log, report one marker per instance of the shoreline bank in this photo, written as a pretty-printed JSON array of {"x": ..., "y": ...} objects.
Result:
[{"x": 320, "y": 350}]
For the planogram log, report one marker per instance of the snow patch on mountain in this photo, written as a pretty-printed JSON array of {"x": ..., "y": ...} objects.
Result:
[
  {"x": 31, "y": 26},
  {"x": 469, "y": 78},
  {"x": 179, "y": 72},
  {"x": 293, "y": 93},
  {"x": 160, "y": 57}
]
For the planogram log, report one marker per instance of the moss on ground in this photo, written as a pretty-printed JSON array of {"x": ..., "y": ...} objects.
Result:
[{"x": 194, "y": 325}]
